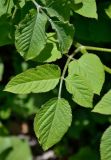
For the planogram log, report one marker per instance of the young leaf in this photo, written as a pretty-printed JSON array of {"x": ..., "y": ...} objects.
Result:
[
  {"x": 88, "y": 9},
  {"x": 52, "y": 121},
  {"x": 65, "y": 33},
  {"x": 80, "y": 89},
  {"x": 105, "y": 146},
  {"x": 104, "y": 106},
  {"x": 90, "y": 67},
  {"x": 30, "y": 35},
  {"x": 51, "y": 52},
  {"x": 40, "y": 79}
]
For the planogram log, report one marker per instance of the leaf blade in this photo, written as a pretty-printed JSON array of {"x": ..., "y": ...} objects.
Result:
[
  {"x": 104, "y": 106},
  {"x": 51, "y": 51},
  {"x": 30, "y": 35},
  {"x": 65, "y": 33},
  {"x": 36, "y": 80},
  {"x": 86, "y": 67},
  {"x": 52, "y": 122},
  {"x": 105, "y": 146},
  {"x": 6, "y": 8},
  {"x": 88, "y": 9},
  {"x": 54, "y": 10},
  {"x": 80, "y": 89}
]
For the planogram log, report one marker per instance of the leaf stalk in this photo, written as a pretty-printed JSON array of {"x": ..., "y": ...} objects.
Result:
[
  {"x": 37, "y": 5},
  {"x": 107, "y": 69},
  {"x": 91, "y": 48},
  {"x": 70, "y": 57}
]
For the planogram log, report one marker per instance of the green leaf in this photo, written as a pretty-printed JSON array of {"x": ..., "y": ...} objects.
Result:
[
  {"x": 76, "y": 4},
  {"x": 105, "y": 146},
  {"x": 51, "y": 52},
  {"x": 5, "y": 143},
  {"x": 16, "y": 147},
  {"x": 104, "y": 106},
  {"x": 6, "y": 30},
  {"x": 86, "y": 67},
  {"x": 65, "y": 33},
  {"x": 30, "y": 35},
  {"x": 52, "y": 121},
  {"x": 55, "y": 10},
  {"x": 108, "y": 10},
  {"x": 6, "y": 6},
  {"x": 88, "y": 9},
  {"x": 40, "y": 79},
  {"x": 19, "y": 148},
  {"x": 22, "y": 3},
  {"x": 80, "y": 89}
]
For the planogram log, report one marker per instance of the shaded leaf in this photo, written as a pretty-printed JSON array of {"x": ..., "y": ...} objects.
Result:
[
  {"x": 51, "y": 52},
  {"x": 55, "y": 10},
  {"x": 6, "y": 30},
  {"x": 65, "y": 33}
]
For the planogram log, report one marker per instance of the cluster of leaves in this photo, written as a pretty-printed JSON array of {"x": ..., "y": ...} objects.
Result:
[{"x": 43, "y": 32}]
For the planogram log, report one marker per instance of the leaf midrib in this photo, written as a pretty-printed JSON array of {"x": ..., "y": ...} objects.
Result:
[
  {"x": 56, "y": 104},
  {"x": 34, "y": 19},
  {"x": 33, "y": 81}
]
